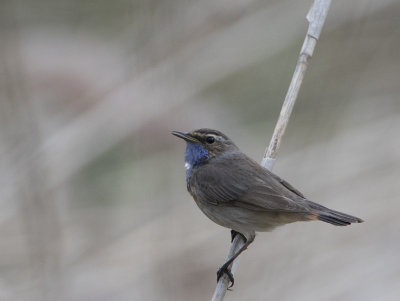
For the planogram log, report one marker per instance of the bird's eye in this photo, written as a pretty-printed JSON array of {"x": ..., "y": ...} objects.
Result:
[{"x": 210, "y": 139}]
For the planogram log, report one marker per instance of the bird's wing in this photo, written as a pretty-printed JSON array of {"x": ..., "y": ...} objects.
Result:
[
  {"x": 215, "y": 184},
  {"x": 242, "y": 182},
  {"x": 287, "y": 185}
]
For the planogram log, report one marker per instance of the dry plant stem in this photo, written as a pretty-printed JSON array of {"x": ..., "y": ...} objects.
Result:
[
  {"x": 316, "y": 17},
  {"x": 271, "y": 152}
]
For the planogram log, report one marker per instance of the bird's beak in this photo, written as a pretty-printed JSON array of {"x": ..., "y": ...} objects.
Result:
[{"x": 185, "y": 136}]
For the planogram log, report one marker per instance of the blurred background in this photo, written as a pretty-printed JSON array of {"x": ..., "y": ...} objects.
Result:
[{"x": 93, "y": 201}]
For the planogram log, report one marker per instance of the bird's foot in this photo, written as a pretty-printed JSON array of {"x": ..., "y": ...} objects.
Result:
[{"x": 225, "y": 270}]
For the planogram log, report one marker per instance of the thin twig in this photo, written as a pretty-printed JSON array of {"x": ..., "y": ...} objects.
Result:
[{"x": 316, "y": 18}]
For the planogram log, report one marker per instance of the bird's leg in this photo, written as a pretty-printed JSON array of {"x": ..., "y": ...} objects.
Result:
[
  {"x": 225, "y": 267},
  {"x": 234, "y": 233}
]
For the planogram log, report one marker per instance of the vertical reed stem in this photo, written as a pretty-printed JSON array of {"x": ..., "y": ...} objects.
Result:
[{"x": 316, "y": 18}]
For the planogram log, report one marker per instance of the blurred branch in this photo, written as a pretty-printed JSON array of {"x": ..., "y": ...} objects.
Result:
[
  {"x": 67, "y": 150},
  {"x": 25, "y": 180},
  {"x": 316, "y": 18}
]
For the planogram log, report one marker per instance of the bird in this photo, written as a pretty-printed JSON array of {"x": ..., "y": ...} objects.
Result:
[{"x": 236, "y": 192}]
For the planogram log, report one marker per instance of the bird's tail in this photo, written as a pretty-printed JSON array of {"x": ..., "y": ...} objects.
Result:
[{"x": 332, "y": 217}]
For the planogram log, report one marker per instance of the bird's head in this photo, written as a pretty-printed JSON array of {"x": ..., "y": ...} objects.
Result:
[{"x": 204, "y": 144}]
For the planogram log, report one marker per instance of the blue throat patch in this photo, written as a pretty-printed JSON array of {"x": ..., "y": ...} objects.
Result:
[{"x": 195, "y": 155}]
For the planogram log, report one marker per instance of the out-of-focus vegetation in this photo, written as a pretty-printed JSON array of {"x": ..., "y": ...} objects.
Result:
[{"x": 93, "y": 204}]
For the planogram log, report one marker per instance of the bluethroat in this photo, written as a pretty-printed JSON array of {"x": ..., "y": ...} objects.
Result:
[{"x": 236, "y": 192}]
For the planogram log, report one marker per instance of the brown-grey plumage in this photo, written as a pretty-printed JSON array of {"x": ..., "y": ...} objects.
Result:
[{"x": 236, "y": 192}]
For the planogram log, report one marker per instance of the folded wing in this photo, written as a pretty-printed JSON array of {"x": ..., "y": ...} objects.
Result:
[{"x": 240, "y": 181}]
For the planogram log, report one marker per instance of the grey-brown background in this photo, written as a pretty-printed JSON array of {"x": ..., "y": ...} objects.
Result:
[{"x": 93, "y": 203}]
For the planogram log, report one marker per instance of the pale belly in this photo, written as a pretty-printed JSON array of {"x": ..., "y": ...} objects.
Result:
[{"x": 244, "y": 220}]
